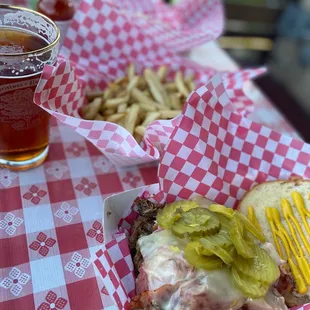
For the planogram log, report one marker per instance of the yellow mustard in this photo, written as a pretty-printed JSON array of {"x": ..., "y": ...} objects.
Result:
[
  {"x": 280, "y": 233},
  {"x": 290, "y": 239}
]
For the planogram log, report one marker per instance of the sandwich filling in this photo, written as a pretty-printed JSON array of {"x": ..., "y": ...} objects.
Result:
[{"x": 196, "y": 259}]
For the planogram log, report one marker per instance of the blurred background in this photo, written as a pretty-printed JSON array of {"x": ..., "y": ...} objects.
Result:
[{"x": 275, "y": 33}]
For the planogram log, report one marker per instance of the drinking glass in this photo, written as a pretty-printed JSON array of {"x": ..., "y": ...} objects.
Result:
[{"x": 28, "y": 41}]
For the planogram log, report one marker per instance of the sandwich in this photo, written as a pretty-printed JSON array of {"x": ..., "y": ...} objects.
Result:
[{"x": 200, "y": 255}]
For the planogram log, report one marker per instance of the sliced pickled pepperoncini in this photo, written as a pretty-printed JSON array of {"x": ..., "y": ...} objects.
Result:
[
  {"x": 303, "y": 212},
  {"x": 278, "y": 231},
  {"x": 289, "y": 217}
]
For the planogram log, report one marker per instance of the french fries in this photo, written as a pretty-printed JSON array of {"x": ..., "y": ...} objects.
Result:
[{"x": 135, "y": 101}]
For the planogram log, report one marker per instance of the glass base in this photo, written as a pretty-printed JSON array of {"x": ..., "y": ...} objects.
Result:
[{"x": 24, "y": 164}]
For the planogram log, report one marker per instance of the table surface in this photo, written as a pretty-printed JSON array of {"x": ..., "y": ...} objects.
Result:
[{"x": 50, "y": 217}]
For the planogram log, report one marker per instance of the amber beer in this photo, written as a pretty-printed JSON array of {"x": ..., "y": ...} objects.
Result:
[{"x": 24, "y": 50}]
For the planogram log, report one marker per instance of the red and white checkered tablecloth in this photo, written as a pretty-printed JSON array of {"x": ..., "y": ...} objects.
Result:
[{"x": 50, "y": 224}]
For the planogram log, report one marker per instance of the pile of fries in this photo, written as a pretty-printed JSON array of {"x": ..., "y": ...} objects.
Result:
[{"x": 134, "y": 101}]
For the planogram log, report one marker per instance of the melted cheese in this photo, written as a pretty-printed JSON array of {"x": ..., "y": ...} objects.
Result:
[{"x": 165, "y": 266}]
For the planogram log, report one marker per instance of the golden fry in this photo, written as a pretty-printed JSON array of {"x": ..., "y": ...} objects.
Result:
[
  {"x": 93, "y": 109},
  {"x": 94, "y": 94},
  {"x": 171, "y": 87},
  {"x": 175, "y": 102},
  {"x": 115, "y": 102},
  {"x": 137, "y": 137},
  {"x": 99, "y": 117},
  {"x": 147, "y": 107},
  {"x": 135, "y": 101},
  {"x": 141, "y": 83},
  {"x": 131, "y": 118},
  {"x": 133, "y": 83},
  {"x": 162, "y": 72},
  {"x": 180, "y": 84},
  {"x": 108, "y": 112},
  {"x": 156, "y": 88},
  {"x": 115, "y": 117},
  {"x": 167, "y": 114},
  {"x": 122, "y": 108},
  {"x": 189, "y": 81},
  {"x": 150, "y": 117},
  {"x": 139, "y": 96},
  {"x": 140, "y": 130},
  {"x": 107, "y": 94},
  {"x": 131, "y": 71}
]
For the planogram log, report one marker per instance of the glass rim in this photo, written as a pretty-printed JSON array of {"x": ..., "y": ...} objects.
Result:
[{"x": 37, "y": 51}]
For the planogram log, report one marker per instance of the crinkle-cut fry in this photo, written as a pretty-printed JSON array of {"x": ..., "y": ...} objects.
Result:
[
  {"x": 122, "y": 108},
  {"x": 171, "y": 87},
  {"x": 131, "y": 118},
  {"x": 167, "y": 114},
  {"x": 150, "y": 117},
  {"x": 93, "y": 109},
  {"x": 175, "y": 102},
  {"x": 115, "y": 118},
  {"x": 180, "y": 84},
  {"x": 147, "y": 107},
  {"x": 99, "y": 117},
  {"x": 139, "y": 96},
  {"x": 108, "y": 112},
  {"x": 94, "y": 94},
  {"x": 140, "y": 130},
  {"x": 162, "y": 73},
  {"x": 131, "y": 71},
  {"x": 156, "y": 88},
  {"x": 133, "y": 83},
  {"x": 115, "y": 102}
]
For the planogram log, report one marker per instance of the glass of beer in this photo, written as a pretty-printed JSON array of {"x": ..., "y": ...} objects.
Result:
[{"x": 28, "y": 41}]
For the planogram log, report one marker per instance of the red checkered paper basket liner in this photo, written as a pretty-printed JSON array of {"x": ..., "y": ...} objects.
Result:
[
  {"x": 178, "y": 27},
  {"x": 100, "y": 44},
  {"x": 217, "y": 153},
  {"x": 61, "y": 93}
]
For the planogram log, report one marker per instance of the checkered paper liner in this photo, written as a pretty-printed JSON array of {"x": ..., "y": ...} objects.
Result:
[
  {"x": 178, "y": 27},
  {"x": 214, "y": 152}
]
